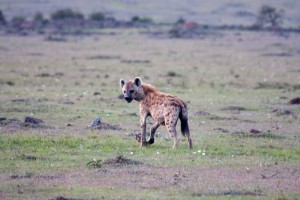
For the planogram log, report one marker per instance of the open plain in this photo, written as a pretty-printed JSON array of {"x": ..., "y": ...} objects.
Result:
[{"x": 238, "y": 86}]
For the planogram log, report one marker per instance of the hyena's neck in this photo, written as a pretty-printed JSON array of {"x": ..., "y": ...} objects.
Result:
[{"x": 145, "y": 92}]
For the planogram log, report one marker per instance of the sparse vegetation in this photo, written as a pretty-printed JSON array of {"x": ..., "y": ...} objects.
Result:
[
  {"x": 277, "y": 85},
  {"x": 97, "y": 16},
  {"x": 138, "y": 19},
  {"x": 66, "y": 14},
  {"x": 2, "y": 18},
  {"x": 172, "y": 74},
  {"x": 180, "y": 21},
  {"x": 38, "y": 17},
  {"x": 245, "y": 129},
  {"x": 17, "y": 21},
  {"x": 269, "y": 16}
]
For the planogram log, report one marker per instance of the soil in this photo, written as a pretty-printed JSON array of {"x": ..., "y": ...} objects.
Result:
[
  {"x": 14, "y": 125},
  {"x": 120, "y": 160},
  {"x": 106, "y": 126},
  {"x": 140, "y": 176}
]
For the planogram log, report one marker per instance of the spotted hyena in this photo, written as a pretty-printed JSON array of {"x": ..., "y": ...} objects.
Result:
[{"x": 165, "y": 109}]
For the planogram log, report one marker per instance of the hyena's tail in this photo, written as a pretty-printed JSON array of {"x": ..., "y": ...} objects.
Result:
[{"x": 185, "y": 130}]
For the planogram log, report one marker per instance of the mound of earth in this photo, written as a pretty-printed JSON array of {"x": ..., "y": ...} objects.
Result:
[
  {"x": 121, "y": 160},
  {"x": 13, "y": 125},
  {"x": 105, "y": 126}
]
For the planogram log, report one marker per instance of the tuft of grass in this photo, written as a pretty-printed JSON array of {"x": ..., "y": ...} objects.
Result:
[
  {"x": 277, "y": 85},
  {"x": 172, "y": 74},
  {"x": 266, "y": 146}
]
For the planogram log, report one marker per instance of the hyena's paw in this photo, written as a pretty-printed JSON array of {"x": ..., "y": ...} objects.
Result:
[{"x": 151, "y": 141}]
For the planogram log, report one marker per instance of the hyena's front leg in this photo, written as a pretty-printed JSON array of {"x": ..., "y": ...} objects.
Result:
[
  {"x": 152, "y": 132},
  {"x": 143, "y": 131}
]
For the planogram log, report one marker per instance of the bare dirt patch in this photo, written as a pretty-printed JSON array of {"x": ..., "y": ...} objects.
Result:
[{"x": 199, "y": 181}]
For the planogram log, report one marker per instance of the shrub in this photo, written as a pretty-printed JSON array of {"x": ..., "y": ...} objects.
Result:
[
  {"x": 66, "y": 14},
  {"x": 171, "y": 74},
  {"x": 269, "y": 16},
  {"x": 180, "y": 21},
  {"x": 174, "y": 33},
  {"x": 2, "y": 18},
  {"x": 17, "y": 20},
  {"x": 97, "y": 16},
  {"x": 38, "y": 17},
  {"x": 141, "y": 20}
]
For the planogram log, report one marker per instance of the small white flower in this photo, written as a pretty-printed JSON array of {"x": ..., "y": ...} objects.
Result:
[
  {"x": 199, "y": 151},
  {"x": 203, "y": 154},
  {"x": 194, "y": 152},
  {"x": 157, "y": 152},
  {"x": 131, "y": 153},
  {"x": 94, "y": 159}
]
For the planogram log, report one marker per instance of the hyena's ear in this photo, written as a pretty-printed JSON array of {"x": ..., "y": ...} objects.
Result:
[
  {"x": 122, "y": 83},
  {"x": 138, "y": 81}
]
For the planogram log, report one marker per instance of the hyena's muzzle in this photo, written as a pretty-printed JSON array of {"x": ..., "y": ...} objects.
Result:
[
  {"x": 128, "y": 95},
  {"x": 128, "y": 98}
]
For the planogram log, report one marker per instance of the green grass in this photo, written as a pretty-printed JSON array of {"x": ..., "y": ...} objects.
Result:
[
  {"x": 31, "y": 155},
  {"x": 37, "y": 152}
]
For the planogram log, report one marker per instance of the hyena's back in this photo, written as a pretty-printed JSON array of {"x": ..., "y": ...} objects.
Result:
[{"x": 167, "y": 109}]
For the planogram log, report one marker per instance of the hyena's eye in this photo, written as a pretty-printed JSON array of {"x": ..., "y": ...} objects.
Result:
[
  {"x": 124, "y": 91},
  {"x": 131, "y": 91}
]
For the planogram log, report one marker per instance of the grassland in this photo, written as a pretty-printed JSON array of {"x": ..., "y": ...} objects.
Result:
[{"x": 239, "y": 81}]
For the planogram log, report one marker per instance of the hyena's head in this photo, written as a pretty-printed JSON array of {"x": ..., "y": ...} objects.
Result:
[{"x": 131, "y": 89}]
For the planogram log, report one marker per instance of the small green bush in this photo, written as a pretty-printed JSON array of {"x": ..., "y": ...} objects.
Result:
[
  {"x": 97, "y": 16},
  {"x": 66, "y": 14},
  {"x": 180, "y": 21},
  {"x": 18, "y": 20},
  {"x": 38, "y": 17},
  {"x": 2, "y": 18},
  {"x": 269, "y": 16},
  {"x": 141, "y": 20}
]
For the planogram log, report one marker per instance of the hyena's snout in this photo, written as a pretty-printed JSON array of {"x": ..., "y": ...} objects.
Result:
[{"x": 128, "y": 98}]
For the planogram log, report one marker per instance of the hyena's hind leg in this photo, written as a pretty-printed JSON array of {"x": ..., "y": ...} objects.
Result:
[
  {"x": 152, "y": 132},
  {"x": 173, "y": 133},
  {"x": 171, "y": 126},
  {"x": 171, "y": 121}
]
